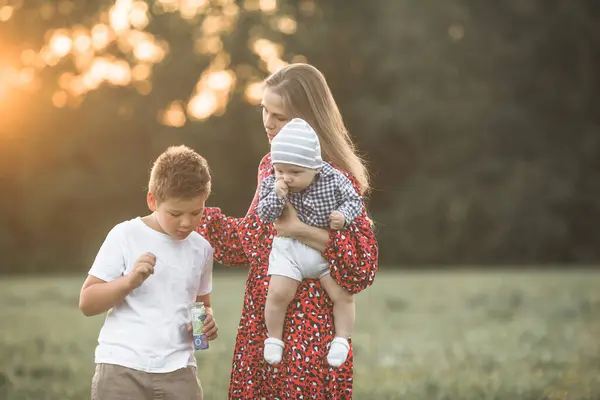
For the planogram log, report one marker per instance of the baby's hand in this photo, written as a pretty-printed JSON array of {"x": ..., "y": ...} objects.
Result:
[
  {"x": 337, "y": 220},
  {"x": 281, "y": 188}
]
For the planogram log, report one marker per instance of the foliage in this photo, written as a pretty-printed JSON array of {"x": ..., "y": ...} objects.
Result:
[{"x": 478, "y": 119}]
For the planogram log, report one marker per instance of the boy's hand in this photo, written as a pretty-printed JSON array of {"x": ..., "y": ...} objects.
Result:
[
  {"x": 211, "y": 329},
  {"x": 337, "y": 220},
  {"x": 143, "y": 268},
  {"x": 281, "y": 188}
]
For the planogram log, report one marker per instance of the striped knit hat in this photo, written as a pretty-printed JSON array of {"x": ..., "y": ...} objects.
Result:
[{"x": 298, "y": 144}]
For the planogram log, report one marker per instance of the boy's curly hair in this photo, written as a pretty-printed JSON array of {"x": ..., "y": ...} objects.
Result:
[{"x": 181, "y": 173}]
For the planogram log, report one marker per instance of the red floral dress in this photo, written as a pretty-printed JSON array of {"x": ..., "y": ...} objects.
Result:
[{"x": 308, "y": 330}]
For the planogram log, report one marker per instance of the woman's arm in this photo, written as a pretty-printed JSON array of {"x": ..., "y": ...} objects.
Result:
[
  {"x": 352, "y": 253},
  {"x": 221, "y": 232},
  {"x": 289, "y": 225},
  {"x": 316, "y": 238}
]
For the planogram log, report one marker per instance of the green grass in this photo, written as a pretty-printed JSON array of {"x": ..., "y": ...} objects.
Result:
[{"x": 433, "y": 335}]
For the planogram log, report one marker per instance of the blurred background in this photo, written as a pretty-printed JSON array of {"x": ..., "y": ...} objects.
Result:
[{"x": 479, "y": 121}]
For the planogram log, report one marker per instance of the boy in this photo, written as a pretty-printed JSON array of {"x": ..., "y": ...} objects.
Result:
[
  {"x": 323, "y": 197},
  {"x": 147, "y": 274}
]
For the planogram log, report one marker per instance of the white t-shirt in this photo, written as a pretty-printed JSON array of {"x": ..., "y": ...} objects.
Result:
[{"x": 147, "y": 331}]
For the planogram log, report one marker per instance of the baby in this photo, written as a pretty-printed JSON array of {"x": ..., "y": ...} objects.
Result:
[{"x": 323, "y": 197}]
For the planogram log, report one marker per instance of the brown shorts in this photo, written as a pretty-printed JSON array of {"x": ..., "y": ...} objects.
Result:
[{"x": 114, "y": 382}]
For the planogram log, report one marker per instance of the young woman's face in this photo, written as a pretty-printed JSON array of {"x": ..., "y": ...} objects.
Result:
[{"x": 273, "y": 113}]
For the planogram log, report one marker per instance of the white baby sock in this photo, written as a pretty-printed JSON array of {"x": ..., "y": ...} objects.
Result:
[
  {"x": 273, "y": 350},
  {"x": 338, "y": 352}
]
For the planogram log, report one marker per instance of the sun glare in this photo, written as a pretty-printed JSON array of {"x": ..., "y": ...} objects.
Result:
[
  {"x": 101, "y": 36},
  {"x": 270, "y": 53},
  {"x": 60, "y": 44},
  {"x": 3, "y": 91},
  {"x": 141, "y": 72},
  {"x": 253, "y": 93},
  {"x": 138, "y": 17},
  {"x": 202, "y": 105},
  {"x": 267, "y": 6},
  {"x": 220, "y": 80},
  {"x": 6, "y": 12},
  {"x": 82, "y": 42},
  {"x": 28, "y": 57},
  {"x": 59, "y": 99},
  {"x": 173, "y": 116},
  {"x": 115, "y": 49},
  {"x": 287, "y": 25},
  {"x": 147, "y": 51},
  {"x": 13, "y": 78},
  {"x": 119, "y": 73},
  {"x": 119, "y": 15}
]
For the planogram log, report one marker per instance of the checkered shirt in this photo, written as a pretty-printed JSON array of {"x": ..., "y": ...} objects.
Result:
[{"x": 331, "y": 191}]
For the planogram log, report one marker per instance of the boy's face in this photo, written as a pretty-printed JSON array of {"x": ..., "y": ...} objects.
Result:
[
  {"x": 177, "y": 217},
  {"x": 297, "y": 178}
]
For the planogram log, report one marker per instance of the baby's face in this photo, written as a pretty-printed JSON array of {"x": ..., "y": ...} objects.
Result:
[{"x": 297, "y": 178}]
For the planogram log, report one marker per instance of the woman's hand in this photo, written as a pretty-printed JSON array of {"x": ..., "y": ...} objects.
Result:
[{"x": 288, "y": 224}]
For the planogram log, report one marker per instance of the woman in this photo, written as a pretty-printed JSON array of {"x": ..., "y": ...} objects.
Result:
[{"x": 297, "y": 90}]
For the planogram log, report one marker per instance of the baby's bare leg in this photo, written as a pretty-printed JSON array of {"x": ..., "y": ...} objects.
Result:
[
  {"x": 343, "y": 307},
  {"x": 281, "y": 291},
  {"x": 343, "y": 321}
]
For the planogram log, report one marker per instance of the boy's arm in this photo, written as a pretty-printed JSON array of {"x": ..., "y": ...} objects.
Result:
[
  {"x": 98, "y": 296},
  {"x": 107, "y": 285},
  {"x": 352, "y": 205},
  {"x": 204, "y": 290},
  {"x": 205, "y": 298},
  {"x": 270, "y": 205}
]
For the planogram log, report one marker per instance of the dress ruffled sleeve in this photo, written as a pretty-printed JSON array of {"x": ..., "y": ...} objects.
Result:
[
  {"x": 352, "y": 253},
  {"x": 221, "y": 232}
]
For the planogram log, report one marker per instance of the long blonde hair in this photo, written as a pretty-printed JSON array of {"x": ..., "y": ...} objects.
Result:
[{"x": 306, "y": 95}]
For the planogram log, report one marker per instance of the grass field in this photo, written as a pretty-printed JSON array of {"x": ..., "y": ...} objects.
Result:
[{"x": 434, "y": 335}]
